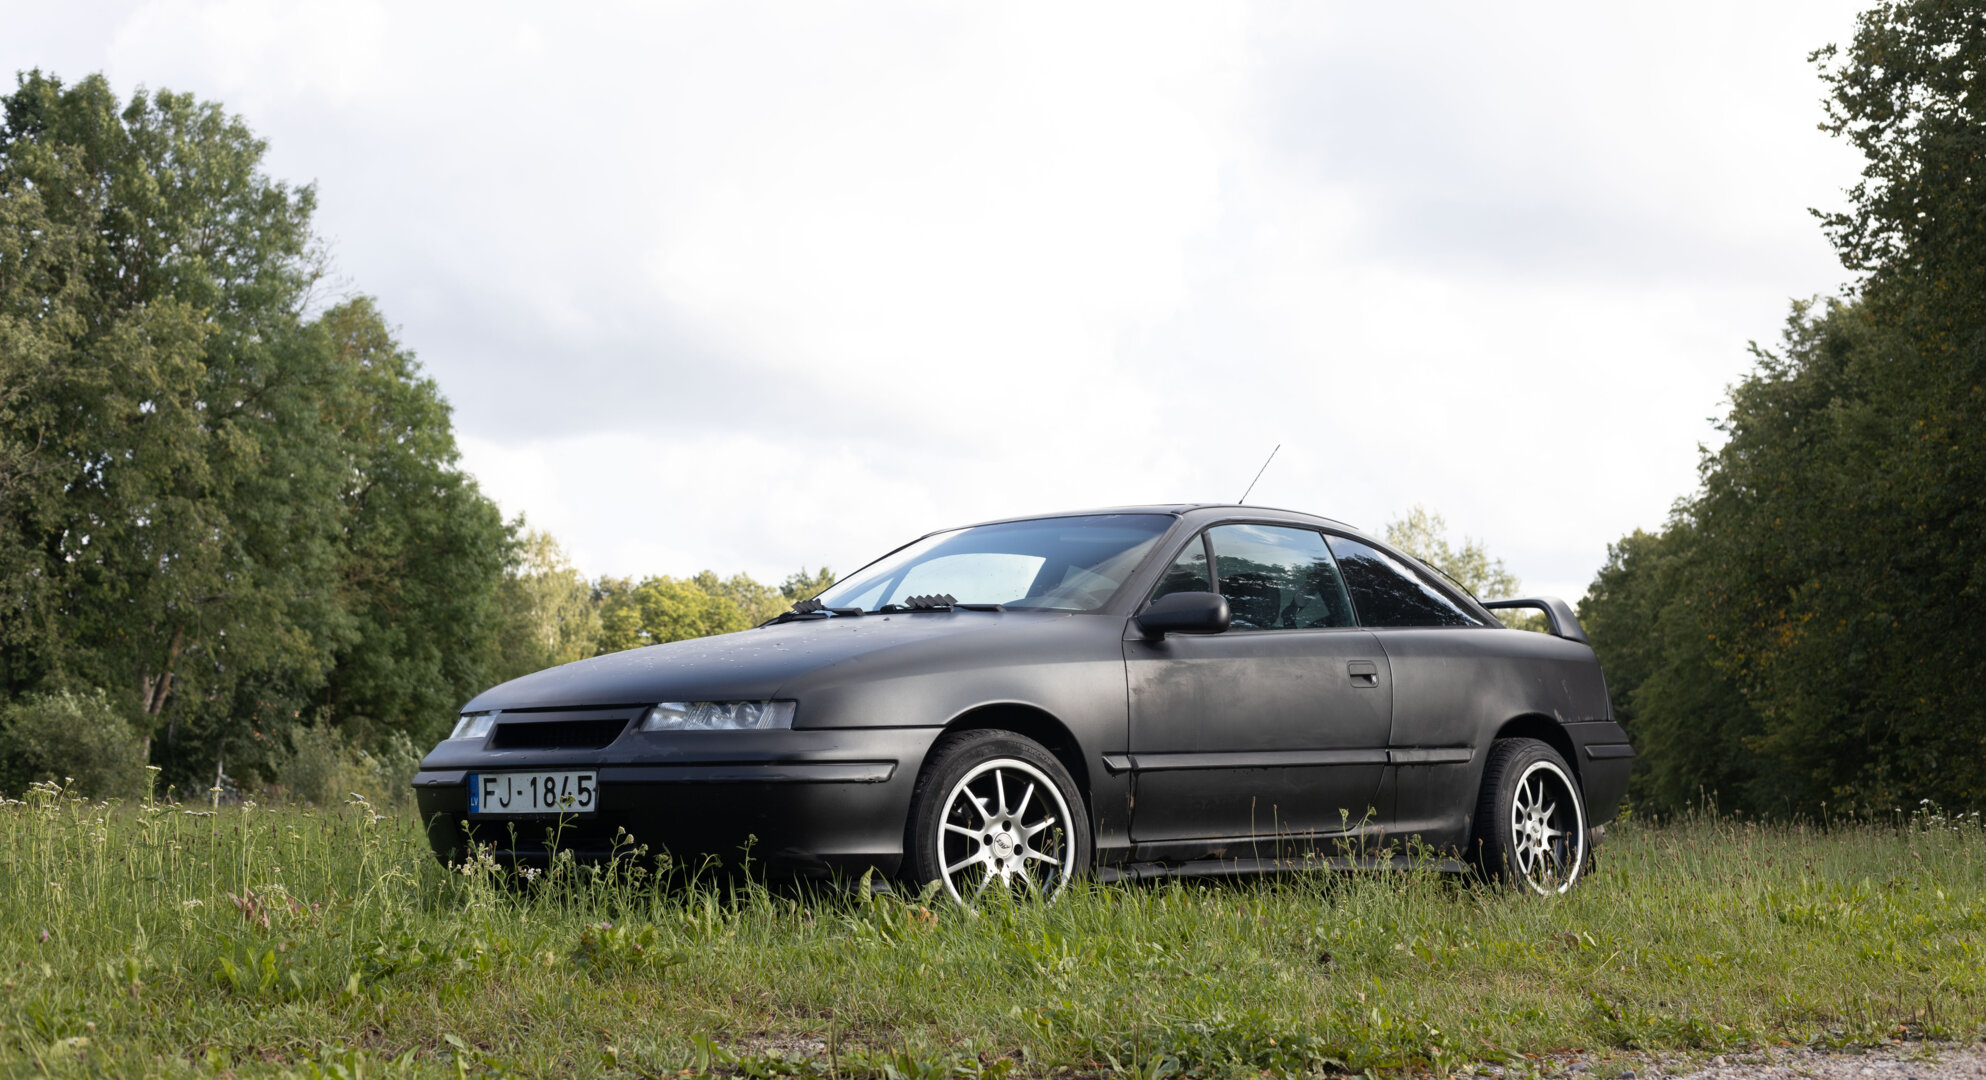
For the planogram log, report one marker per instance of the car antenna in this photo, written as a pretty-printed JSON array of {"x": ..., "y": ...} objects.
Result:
[{"x": 1258, "y": 474}]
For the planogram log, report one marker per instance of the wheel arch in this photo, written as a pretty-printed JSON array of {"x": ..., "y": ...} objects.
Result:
[
  {"x": 1546, "y": 730},
  {"x": 1033, "y": 722}
]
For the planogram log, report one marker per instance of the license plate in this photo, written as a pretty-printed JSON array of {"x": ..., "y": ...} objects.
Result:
[{"x": 503, "y": 794}]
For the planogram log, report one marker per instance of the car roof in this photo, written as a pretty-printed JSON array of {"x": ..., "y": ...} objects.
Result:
[
  {"x": 1194, "y": 515},
  {"x": 1181, "y": 510}
]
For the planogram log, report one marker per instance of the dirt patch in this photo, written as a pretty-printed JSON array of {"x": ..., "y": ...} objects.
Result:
[
  {"x": 1908, "y": 1061},
  {"x": 1903, "y": 1061}
]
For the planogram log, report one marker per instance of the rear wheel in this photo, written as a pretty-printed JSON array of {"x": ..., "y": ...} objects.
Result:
[
  {"x": 996, "y": 810},
  {"x": 1530, "y": 819}
]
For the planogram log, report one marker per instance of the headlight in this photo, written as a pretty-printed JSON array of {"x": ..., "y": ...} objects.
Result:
[
  {"x": 474, "y": 725},
  {"x": 718, "y": 716}
]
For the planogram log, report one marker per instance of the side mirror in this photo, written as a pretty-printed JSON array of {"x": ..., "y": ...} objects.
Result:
[{"x": 1185, "y": 613}]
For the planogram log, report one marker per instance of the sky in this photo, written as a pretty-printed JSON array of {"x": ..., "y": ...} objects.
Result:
[{"x": 750, "y": 287}]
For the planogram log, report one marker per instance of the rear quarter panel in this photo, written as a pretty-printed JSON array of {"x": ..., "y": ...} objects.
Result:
[{"x": 1457, "y": 687}]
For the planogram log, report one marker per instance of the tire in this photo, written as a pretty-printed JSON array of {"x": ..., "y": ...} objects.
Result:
[
  {"x": 1530, "y": 824},
  {"x": 993, "y": 806}
]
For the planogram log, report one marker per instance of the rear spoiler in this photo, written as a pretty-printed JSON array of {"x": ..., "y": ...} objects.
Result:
[{"x": 1557, "y": 612}]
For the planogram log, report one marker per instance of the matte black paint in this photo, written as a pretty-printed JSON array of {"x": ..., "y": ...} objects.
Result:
[
  {"x": 1254, "y": 734},
  {"x": 1197, "y": 752}
]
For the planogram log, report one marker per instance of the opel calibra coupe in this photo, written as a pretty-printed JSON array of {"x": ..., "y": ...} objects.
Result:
[{"x": 1115, "y": 693}]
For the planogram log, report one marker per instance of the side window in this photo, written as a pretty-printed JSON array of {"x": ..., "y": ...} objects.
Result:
[
  {"x": 1188, "y": 573},
  {"x": 1278, "y": 578},
  {"x": 1389, "y": 593}
]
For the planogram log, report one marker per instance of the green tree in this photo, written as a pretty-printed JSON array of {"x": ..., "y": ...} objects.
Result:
[
  {"x": 662, "y": 609},
  {"x": 754, "y": 601},
  {"x": 1424, "y": 535},
  {"x": 1691, "y": 725},
  {"x": 802, "y": 585},
  {"x": 424, "y": 552},
  {"x": 1830, "y": 569},
  {"x": 225, "y": 512},
  {"x": 174, "y": 397},
  {"x": 672, "y": 609},
  {"x": 550, "y": 615}
]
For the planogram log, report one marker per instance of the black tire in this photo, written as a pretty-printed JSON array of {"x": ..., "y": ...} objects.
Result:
[
  {"x": 1529, "y": 794},
  {"x": 964, "y": 778}
]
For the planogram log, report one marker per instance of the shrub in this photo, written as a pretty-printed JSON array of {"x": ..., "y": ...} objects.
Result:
[
  {"x": 324, "y": 768},
  {"x": 76, "y": 738}
]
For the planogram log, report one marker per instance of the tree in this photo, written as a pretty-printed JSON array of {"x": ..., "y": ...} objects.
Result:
[
  {"x": 662, "y": 609},
  {"x": 424, "y": 552},
  {"x": 171, "y": 417},
  {"x": 550, "y": 616},
  {"x": 1828, "y": 573},
  {"x": 672, "y": 609},
  {"x": 754, "y": 601},
  {"x": 220, "y": 509},
  {"x": 802, "y": 585},
  {"x": 1691, "y": 725},
  {"x": 1908, "y": 93},
  {"x": 1424, "y": 535}
]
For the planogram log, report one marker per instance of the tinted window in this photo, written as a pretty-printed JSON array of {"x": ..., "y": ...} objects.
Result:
[
  {"x": 1278, "y": 579},
  {"x": 1188, "y": 573},
  {"x": 1388, "y": 593},
  {"x": 1067, "y": 564}
]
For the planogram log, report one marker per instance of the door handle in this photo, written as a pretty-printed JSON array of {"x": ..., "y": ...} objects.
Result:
[{"x": 1364, "y": 673}]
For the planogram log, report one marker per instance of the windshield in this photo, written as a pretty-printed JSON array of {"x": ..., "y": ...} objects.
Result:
[{"x": 1065, "y": 564}]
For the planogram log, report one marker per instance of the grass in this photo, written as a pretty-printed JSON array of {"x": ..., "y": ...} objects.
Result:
[{"x": 174, "y": 940}]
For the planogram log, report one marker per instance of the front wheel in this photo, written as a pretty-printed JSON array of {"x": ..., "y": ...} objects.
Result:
[
  {"x": 1530, "y": 818},
  {"x": 995, "y": 809}
]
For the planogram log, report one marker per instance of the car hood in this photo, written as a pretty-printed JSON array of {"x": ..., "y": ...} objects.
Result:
[{"x": 782, "y": 660}]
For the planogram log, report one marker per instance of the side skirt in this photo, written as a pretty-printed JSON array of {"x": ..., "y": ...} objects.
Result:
[{"x": 1146, "y": 871}]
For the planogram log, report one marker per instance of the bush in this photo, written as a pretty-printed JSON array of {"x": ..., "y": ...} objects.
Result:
[
  {"x": 323, "y": 768},
  {"x": 76, "y": 738}
]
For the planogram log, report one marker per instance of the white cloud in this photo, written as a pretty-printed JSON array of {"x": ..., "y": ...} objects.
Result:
[{"x": 746, "y": 287}]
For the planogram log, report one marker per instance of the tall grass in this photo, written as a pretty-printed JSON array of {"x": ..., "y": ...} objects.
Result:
[{"x": 159, "y": 939}]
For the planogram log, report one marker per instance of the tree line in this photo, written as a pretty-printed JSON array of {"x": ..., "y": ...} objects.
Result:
[
  {"x": 231, "y": 504},
  {"x": 1805, "y": 634},
  {"x": 232, "y": 516}
]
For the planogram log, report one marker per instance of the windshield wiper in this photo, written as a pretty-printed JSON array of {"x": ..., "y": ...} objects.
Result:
[
  {"x": 936, "y": 602},
  {"x": 933, "y": 602},
  {"x": 812, "y": 609}
]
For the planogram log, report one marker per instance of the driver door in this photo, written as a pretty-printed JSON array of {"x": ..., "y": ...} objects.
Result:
[{"x": 1268, "y": 740}]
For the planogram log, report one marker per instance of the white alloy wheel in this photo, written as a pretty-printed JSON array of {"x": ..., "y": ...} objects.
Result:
[
  {"x": 1530, "y": 819},
  {"x": 1548, "y": 829},
  {"x": 1005, "y": 821}
]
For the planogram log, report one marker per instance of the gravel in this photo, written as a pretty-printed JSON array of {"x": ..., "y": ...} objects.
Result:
[
  {"x": 1900, "y": 1061},
  {"x": 1908, "y": 1061}
]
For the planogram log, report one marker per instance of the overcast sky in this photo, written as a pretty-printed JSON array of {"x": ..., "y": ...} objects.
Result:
[{"x": 748, "y": 287}]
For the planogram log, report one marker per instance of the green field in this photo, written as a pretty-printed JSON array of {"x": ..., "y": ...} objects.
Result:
[{"x": 170, "y": 940}]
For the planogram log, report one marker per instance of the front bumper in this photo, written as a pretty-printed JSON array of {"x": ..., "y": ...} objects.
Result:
[{"x": 799, "y": 803}]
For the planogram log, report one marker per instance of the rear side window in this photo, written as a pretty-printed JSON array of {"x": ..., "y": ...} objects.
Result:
[
  {"x": 1278, "y": 578},
  {"x": 1388, "y": 593}
]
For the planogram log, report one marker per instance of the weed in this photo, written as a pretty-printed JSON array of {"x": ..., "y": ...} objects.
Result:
[{"x": 151, "y": 938}]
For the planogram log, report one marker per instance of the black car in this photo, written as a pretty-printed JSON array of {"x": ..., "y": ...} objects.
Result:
[{"x": 1164, "y": 689}]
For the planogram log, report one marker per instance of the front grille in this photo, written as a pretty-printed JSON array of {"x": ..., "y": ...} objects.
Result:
[{"x": 557, "y": 734}]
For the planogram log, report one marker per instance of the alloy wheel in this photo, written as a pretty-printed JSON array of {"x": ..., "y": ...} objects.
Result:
[
  {"x": 1005, "y": 821},
  {"x": 1547, "y": 829}
]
